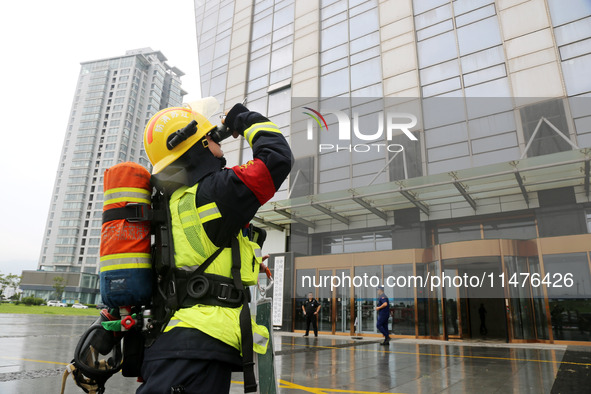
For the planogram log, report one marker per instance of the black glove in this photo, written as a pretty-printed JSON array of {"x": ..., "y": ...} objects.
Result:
[{"x": 231, "y": 118}]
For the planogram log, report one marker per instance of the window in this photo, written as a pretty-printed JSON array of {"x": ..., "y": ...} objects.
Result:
[
  {"x": 335, "y": 83},
  {"x": 576, "y": 73},
  {"x": 457, "y": 232},
  {"x": 544, "y": 139},
  {"x": 363, "y": 24},
  {"x": 479, "y": 35},
  {"x": 334, "y": 35},
  {"x": 437, "y": 49},
  {"x": 366, "y": 73},
  {"x": 568, "y": 304},
  {"x": 522, "y": 228},
  {"x": 576, "y": 10},
  {"x": 361, "y": 242}
]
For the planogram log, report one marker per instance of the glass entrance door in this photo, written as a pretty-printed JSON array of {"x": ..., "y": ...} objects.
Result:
[
  {"x": 325, "y": 298},
  {"x": 335, "y": 311},
  {"x": 366, "y": 316},
  {"x": 452, "y": 306},
  {"x": 342, "y": 303}
]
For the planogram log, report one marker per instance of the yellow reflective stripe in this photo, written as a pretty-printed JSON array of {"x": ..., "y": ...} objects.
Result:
[
  {"x": 184, "y": 214},
  {"x": 208, "y": 212},
  {"x": 211, "y": 217},
  {"x": 126, "y": 266},
  {"x": 123, "y": 261},
  {"x": 188, "y": 219},
  {"x": 125, "y": 256},
  {"x": 254, "y": 129},
  {"x": 127, "y": 199},
  {"x": 128, "y": 189},
  {"x": 113, "y": 196},
  {"x": 206, "y": 207}
]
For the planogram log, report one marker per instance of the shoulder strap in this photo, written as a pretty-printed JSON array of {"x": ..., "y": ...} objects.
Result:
[
  {"x": 201, "y": 269},
  {"x": 250, "y": 383}
]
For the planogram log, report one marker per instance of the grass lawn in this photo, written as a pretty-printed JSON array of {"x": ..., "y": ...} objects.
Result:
[{"x": 47, "y": 310}]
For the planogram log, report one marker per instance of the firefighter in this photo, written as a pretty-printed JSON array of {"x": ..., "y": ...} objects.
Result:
[{"x": 211, "y": 208}]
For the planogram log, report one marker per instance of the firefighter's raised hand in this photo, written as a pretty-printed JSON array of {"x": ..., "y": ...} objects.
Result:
[
  {"x": 234, "y": 133},
  {"x": 231, "y": 116}
]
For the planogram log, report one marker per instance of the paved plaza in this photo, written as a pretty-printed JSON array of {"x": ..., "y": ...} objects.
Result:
[{"x": 35, "y": 348}]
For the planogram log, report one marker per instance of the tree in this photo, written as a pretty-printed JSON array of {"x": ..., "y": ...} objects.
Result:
[
  {"x": 59, "y": 286},
  {"x": 14, "y": 281},
  {"x": 3, "y": 284},
  {"x": 10, "y": 281}
]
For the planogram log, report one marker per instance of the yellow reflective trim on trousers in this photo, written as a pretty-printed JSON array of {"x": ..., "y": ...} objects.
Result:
[
  {"x": 127, "y": 189},
  {"x": 127, "y": 199},
  {"x": 254, "y": 129}
]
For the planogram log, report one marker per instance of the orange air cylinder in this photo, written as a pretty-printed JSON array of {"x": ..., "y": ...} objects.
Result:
[{"x": 125, "y": 262}]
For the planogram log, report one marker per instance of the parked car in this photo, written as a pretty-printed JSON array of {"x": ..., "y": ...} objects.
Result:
[
  {"x": 79, "y": 306},
  {"x": 101, "y": 306},
  {"x": 56, "y": 303}
]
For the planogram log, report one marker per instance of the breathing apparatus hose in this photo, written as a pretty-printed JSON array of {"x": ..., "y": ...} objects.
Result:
[{"x": 90, "y": 373}]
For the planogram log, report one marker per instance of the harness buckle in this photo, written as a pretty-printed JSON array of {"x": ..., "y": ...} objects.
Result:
[
  {"x": 226, "y": 293},
  {"x": 142, "y": 213}
]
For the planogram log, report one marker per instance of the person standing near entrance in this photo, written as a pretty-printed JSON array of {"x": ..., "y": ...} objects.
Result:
[
  {"x": 383, "y": 309},
  {"x": 311, "y": 307},
  {"x": 482, "y": 313}
]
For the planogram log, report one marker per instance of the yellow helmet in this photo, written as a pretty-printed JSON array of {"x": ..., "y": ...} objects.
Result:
[{"x": 160, "y": 143}]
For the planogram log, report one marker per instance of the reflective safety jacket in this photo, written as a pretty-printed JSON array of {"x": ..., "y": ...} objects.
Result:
[{"x": 206, "y": 214}]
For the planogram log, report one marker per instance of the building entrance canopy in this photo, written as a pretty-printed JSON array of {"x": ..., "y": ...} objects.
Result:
[{"x": 466, "y": 188}]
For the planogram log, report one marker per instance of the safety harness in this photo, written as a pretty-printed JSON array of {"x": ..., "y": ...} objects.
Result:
[{"x": 177, "y": 288}]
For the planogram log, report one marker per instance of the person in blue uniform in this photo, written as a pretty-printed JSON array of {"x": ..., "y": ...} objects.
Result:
[{"x": 383, "y": 309}]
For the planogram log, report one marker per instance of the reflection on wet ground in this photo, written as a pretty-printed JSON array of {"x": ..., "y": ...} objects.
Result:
[{"x": 35, "y": 348}]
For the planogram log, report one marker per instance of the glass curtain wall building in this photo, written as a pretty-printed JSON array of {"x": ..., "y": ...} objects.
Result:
[
  {"x": 493, "y": 176},
  {"x": 114, "y": 99}
]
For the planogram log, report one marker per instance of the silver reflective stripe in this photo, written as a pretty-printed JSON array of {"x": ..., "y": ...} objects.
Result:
[
  {"x": 172, "y": 323},
  {"x": 259, "y": 339},
  {"x": 258, "y": 253},
  {"x": 266, "y": 127},
  {"x": 111, "y": 196},
  {"x": 189, "y": 268},
  {"x": 124, "y": 260},
  {"x": 208, "y": 212}
]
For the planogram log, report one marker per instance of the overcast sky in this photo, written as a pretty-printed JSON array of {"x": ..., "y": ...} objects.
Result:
[{"x": 43, "y": 43}]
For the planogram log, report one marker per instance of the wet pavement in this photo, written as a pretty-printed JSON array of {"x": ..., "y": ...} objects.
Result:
[{"x": 35, "y": 348}]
